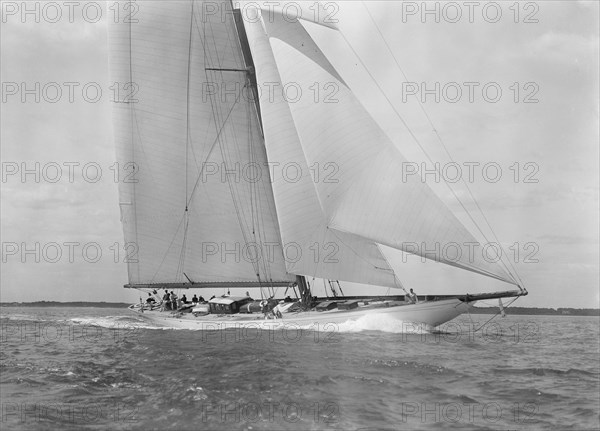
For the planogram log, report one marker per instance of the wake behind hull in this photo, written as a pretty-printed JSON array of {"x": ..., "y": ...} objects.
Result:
[{"x": 429, "y": 313}]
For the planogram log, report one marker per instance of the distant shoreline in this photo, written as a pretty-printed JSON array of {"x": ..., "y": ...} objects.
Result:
[
  {"x": 478, "y": 310},
  {"x": 101, "y": 304},
  {"x": 532, "y": 311}
]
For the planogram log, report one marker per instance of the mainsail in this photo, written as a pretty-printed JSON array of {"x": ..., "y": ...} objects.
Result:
[
  {"x": 197, "y": 207},
  {"x": 214, "y": 200}
]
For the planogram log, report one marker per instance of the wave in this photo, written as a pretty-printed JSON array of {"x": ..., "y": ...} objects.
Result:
[
  {"x": 31, "y": 318},
  {"x": 108, "y": 322},
  {"x": 115, "y": 322},
  {"x": 383, "y": 323},
  {"x": 546, "y": 372}
]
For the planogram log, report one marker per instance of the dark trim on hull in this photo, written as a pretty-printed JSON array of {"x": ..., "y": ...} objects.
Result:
[{"x": 208, "y": 285}]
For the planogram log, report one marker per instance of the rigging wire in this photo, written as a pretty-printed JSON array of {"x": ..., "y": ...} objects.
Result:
[
  {"x": 440, "y": 140},
  {"x": 397, "y": 281},
  {"x": 417, "y": 141},
  {"x": 181, "y": 263},
  {"x": 194, "y": 188},
  {"x": 220, "y": 131},
  {"x": 133, "y": 119},
  {"x": 227, "y": 158},
  {"x": 187, "y": 103},
  {"x": 494, "y": 316},
  {"x": 258, "y": 223}
]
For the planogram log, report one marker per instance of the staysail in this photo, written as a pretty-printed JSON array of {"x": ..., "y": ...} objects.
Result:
[
  {"x": 370, "y": 199},
  {"x": 325, "y": 253}
]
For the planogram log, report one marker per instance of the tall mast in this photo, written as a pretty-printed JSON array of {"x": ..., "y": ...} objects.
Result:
[
  {"x": 248, "y": 61},
  {"x": 305, "y": 294}
]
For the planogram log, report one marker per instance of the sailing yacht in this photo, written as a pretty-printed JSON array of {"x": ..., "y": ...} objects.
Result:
[{"x": 243, "y": 176}]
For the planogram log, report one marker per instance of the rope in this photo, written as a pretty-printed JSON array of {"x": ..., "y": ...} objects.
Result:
[
  {"x": 508, "y": 270},
  {"x": 397, "y": 281},
  {"x": 494, "y": 316}
]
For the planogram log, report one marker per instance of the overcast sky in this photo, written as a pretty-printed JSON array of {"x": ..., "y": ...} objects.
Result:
[{"x": 548, "y": 57}]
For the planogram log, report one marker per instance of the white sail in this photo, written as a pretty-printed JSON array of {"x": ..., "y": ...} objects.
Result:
[
  {"x": 193, "y": 136},
  {"x": 317, "y": 251},
  {"x": 227, "y": 190},
  {"x": 370, "y": 198},
  {"x": 322, "y": 13}
]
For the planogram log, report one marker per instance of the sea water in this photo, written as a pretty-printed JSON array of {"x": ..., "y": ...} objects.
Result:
[{"x": 101, "y": 368}]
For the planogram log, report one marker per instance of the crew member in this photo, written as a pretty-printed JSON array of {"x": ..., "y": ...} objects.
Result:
[{"x": 412, "y": 297}]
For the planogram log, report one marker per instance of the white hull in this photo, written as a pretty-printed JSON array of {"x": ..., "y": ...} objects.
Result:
[{"x": 429, "y": 313}]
